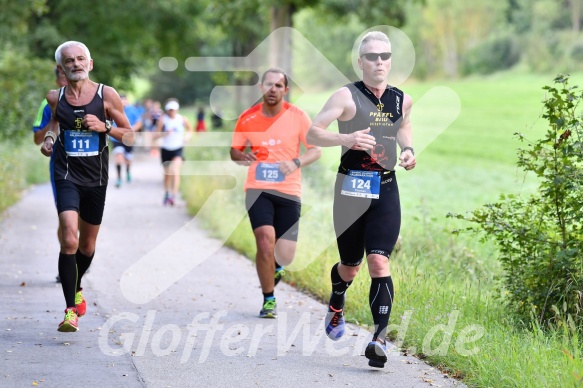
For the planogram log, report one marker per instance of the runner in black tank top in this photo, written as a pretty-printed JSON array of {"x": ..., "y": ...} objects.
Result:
[
  {"x": 78, "y": 138},
  {"x": 372, "y": 119},
  {"x": 363, "y": 221},
  {"x": 383, "y": 116},
  {"x": 81, "y": 156}
]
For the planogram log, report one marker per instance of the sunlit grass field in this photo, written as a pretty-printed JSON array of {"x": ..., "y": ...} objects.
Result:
[{"x": 449, "y": 305}]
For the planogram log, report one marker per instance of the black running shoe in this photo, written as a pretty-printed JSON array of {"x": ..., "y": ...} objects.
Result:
[{"x": 376, "y": 352}]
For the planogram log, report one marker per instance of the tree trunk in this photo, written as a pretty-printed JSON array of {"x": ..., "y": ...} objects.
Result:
[
  {"x": 575, "y": 15},
  {"x": 243, "y": 97},
  {"x": 450, "y": 55},
  {"x": 280, "y": 44}
]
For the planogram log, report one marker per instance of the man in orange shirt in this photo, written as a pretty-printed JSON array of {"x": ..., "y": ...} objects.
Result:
[{"x": 273, "y": 130}]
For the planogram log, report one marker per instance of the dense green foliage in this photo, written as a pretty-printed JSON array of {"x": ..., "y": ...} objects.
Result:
[
  {"x": 122, "y": 38},
  {"x": 451, "y": 38},
  {"x": 20, "y": 100},
  {"x": 497, "y": 53},
  {"x": 20, "y": 73},
  {"x": 541, "y": 237},
  {"x": 467, "y": 37}
]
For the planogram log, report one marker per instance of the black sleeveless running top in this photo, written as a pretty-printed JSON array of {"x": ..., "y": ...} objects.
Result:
[
  {"x": 384, "y": 117},
  {"x": 81, "y": 155}
]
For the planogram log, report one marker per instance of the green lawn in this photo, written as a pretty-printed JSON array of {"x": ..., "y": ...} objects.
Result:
[{"x": 442, "y": 281}]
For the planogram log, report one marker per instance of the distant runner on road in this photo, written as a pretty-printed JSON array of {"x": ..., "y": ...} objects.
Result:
[
  {"x": 123, "y": 153},
  {"x": 175, "y": 131}
]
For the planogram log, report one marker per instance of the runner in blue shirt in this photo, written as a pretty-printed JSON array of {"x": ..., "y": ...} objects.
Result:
[
  {"x": 121, "y": 151},
  {"x": 40, "y": 128}
]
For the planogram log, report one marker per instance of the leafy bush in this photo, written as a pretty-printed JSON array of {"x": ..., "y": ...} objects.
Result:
[
  {"x": 495, "y": 54},
  {"x": 20, "y": 165},
  {"x": 24, "y": 83},
  {"x": 541, "y": 237}
]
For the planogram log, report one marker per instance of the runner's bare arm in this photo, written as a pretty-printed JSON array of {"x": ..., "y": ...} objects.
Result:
[
  {"x": 339, "y": 106},
  {"x": 189, "y": 129},
  {"x": 309, "y": 157},
  {"x": 405, "y": 136},
  {"x": 39, "y": 136},
  {"x": 158, "y": 133},
  {"x": 53, "y": 131},
  {"x": 242, "y": 158}
]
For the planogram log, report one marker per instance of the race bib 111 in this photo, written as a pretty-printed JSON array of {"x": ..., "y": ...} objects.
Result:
[{"x": 81, "y": 143}]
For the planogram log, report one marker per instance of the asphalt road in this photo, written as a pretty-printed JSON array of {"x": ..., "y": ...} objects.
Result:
[{"x": 201, "y": 331}]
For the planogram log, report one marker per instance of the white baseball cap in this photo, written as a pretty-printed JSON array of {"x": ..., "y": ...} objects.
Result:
[{"x": 172, "y": 105}]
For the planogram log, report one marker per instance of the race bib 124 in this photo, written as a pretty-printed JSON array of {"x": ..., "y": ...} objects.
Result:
[{"x": 365, "y": 184}]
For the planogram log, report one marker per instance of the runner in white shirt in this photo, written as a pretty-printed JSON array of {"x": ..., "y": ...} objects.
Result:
[{"x": 175, "y": 131}]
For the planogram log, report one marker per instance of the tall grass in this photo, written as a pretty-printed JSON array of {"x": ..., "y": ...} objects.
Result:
[
  {"x": 20, "y": 166},
  {"x": 449, "y": 306}
]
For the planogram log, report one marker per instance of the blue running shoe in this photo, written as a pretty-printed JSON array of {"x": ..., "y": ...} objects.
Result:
[
  {"x": 334, "y": 323},
  {"x": 376, "y": 352}
]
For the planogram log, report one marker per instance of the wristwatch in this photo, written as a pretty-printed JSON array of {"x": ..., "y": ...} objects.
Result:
[
  {"x": 408, "y": 148},
  {"x": 297, "y": 162},
  {"x": 107, "y": 126}
]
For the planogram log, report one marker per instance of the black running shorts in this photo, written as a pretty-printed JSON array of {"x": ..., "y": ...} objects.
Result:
[
  {"x": 168, "y": 155},
  {"x": 367, "y": 225},
  {"x": 89, "y": 202},
  {"x": 269, "y": 207}
]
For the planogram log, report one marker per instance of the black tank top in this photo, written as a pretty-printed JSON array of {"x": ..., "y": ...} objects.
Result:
[
  {"x": 384, "y": 118},
  {"x": 81, "y": 155}
]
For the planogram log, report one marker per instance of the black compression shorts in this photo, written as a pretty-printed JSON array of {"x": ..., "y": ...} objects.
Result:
[
  {"x": 168, "y": 155},
  {"x": 89, "y": 202},
  {"x": 268, "y": 207},
  {"x": 364, "y": 224}
]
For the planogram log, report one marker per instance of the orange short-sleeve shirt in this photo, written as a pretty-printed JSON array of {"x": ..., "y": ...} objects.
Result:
[{"x": 273, "y": 139}]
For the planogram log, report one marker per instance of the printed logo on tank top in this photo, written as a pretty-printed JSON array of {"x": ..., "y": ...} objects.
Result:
[
  {"x": 384, "y": 121},
  {"x": 398, "y": 104},
  {"x": 380, "y": 124},
  {"x": 78, "y": 122},
  {"x": 381, "y": 118}
]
